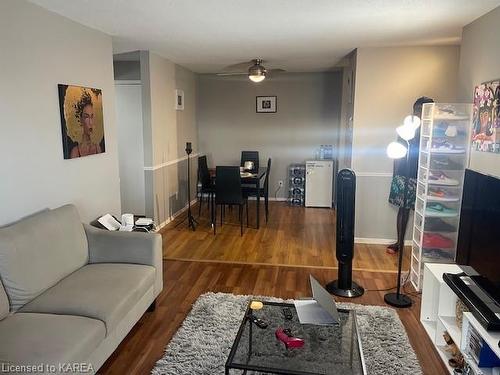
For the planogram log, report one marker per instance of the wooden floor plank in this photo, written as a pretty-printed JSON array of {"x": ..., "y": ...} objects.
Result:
[{"x": 294, "y": 236}]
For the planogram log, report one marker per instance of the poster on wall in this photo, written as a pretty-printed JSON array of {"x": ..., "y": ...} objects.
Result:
[
  {"x": 82, "y": 122},
  {"x": 486, "y": 117}
]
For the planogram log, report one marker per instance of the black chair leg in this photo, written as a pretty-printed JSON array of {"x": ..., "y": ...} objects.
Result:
[
  {"x": 266, "y": 202},
  {"x": 246, "y": 207},
  {"x": 200, "y": 202},
  {"x": 241, "y": 219},
  {"x": 221, "y": 214},
  {"x": 214, "y": 215}
]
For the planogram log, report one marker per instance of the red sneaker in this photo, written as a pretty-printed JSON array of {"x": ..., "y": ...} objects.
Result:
[{"x": 434, "y": 240}]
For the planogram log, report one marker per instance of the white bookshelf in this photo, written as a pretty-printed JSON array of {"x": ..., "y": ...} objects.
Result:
[{"x": 437, "y": 315}]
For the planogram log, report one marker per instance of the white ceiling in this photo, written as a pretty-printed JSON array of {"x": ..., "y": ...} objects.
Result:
[{"x": 298, "y": 35}]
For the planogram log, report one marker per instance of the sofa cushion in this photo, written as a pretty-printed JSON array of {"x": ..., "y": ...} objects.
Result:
[
  {"x": 48, "y": 338},
  {"x": 4, "y": 303},
  {"x": 37, "y": 252},
  {"x": 104, "y": 291}
]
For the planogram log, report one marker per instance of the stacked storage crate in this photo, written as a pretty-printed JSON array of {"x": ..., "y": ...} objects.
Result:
[
  {"x": 297, "y": 183},
  {"x": 443, "y": 157}
]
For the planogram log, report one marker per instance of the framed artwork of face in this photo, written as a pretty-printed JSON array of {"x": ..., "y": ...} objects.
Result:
[{"x": 82, "y": 124}]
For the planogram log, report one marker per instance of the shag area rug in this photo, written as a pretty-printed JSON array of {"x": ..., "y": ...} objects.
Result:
[{"x": 203, "y": 342}]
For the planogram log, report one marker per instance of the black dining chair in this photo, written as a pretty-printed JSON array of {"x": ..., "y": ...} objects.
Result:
[
  {"x": 264, "y": 191},
  {"x": 250, "y": 156},
  {"x": 206, "y": 186},
  {"x": 228, "y": 192}
]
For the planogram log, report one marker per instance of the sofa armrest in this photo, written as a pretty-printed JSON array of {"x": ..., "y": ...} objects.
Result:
[{"x": 126, "y": 247}]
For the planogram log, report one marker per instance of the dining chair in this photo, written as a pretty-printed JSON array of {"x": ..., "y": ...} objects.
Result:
[
  {"x": 250, "y": 156},
  {"x": 264, "y": 191},
  {"x": 228, "y": 192},
  {"x": 204, "y": 182}
]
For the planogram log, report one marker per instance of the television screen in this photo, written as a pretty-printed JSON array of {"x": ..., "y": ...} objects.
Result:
[{"x": 479, "y": 231}]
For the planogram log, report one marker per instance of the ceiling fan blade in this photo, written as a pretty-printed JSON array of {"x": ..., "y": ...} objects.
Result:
[
  {"x": 231, "y": 74},
  {"x": 272, "y": 71},
  {"x": 238, "y": 67}
]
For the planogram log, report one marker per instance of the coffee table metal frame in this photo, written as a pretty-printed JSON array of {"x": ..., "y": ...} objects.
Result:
[{"x": 230, "y": 365}]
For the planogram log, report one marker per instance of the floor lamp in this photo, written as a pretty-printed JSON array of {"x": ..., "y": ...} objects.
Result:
[
  {"x": 397, "y": 150},
  {"x": 191, "y": 220}
]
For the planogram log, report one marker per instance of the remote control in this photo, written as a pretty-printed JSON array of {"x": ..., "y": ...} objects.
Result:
[
  {"x": 258, "y": 322},
  {"x": 286, "y": 337},
  {"x": 287, "y": 313}
]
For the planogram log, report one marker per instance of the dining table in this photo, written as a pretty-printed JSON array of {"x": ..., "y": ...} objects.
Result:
[{"x": 252, "y": 179}]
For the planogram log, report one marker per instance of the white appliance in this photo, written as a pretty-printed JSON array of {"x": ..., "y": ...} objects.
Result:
[{"x": 319, "y": 183}]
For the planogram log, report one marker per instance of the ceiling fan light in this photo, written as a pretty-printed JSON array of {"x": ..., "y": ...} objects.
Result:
[
  {"x": 257, "y": 77},
  {"x": 257, "y": 73}
]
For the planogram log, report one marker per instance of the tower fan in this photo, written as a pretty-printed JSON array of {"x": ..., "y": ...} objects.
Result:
[{"x": 346, "y": 191}]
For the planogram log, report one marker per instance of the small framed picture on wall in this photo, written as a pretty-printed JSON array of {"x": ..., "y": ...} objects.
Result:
[
  {"x": 266, "y": 104},
  {"x": 179, "y": 100}
]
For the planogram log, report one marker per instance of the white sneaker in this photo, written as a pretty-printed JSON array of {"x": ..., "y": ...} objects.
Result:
[{"x": 439, "y": 178}]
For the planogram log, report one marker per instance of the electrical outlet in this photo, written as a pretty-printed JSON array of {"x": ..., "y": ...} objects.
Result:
[{"x": 280, "y": 183}]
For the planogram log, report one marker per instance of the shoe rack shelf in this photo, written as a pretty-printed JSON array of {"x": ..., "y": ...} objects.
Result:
[{"x": 443, "y": 157}]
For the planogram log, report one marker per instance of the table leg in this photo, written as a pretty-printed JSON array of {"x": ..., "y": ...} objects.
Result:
[
  {"x": 257, "y": 187},
  {"x": 249, "y": 342}
]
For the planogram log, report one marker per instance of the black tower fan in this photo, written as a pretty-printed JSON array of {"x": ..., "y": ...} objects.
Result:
[{"x": 346, "y": 191}]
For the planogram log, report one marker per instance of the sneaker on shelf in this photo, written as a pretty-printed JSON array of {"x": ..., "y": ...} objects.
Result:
[
  {"x": 449, "y": 114},
  {"x": 438, "y": 255},
  {"x": 439, "y": 210},
  {"x": 445, "y": 147},
  {"x": 434, "y": 240},
  {"x": 444, "y": 162},
  {"x": 438, "y": 194},
  {"x": 439, "y": 225},
  {"x": 440, "y": 178},
  {"x": 444, "y": 130}
]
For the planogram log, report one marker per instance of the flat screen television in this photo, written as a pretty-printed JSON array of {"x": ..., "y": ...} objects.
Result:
[{"x": 479, "y": 230}]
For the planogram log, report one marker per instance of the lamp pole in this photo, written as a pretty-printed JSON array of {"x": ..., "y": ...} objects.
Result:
[
  {"x": 397, "y": 299},
  {"x": 191, "y": 220}
]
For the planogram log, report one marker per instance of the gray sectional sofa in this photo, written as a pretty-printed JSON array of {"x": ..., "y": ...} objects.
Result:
[{"x": 69, "y": 292}]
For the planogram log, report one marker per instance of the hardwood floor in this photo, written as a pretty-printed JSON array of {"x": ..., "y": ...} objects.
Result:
[
  {"x": 184, "y": 281},
  {"x": 294, "y": 236},
  {"x": 275, "y": 261}
]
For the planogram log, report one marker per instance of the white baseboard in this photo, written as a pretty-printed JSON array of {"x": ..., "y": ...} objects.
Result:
[
  {"x": 378, "y": 241},
  {"x": 171, "y": 218}
]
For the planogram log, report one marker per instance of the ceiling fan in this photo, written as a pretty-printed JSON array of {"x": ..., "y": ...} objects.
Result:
[{"x": 255, "y": 70}]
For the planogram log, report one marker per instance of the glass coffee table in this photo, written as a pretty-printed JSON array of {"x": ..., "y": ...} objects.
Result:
[{"x": 332, "y": 349}]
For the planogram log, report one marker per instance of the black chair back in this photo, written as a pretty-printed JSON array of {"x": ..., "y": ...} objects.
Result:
[
  {"x": 250, "y": 156},
  {"x": 203, "y": 173},
  {"x": 266, "y": 179},
  {"x": 228, "y": 185}
]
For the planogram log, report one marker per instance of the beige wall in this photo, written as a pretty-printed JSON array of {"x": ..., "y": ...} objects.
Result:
[
  {"x": 308, "y": 115},
  {"x": 39, "y": 50},
  {"x": 480, "y": 62},
  {"x": 166, "y": 132},
  {"x": 388, "y": 80}
]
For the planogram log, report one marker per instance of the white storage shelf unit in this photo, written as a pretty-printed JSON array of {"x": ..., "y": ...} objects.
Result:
[
  {"x": 438, "y": 314},
  {"x": 443, "y": 157}
]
